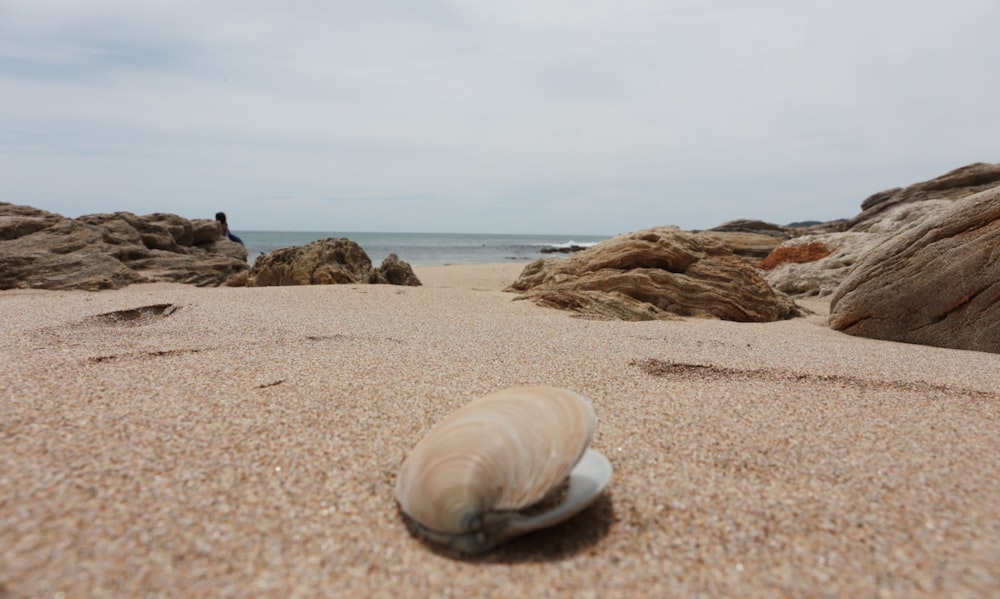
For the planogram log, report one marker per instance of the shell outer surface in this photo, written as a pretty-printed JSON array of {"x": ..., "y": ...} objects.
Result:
[{"x": 472, "y": 472}]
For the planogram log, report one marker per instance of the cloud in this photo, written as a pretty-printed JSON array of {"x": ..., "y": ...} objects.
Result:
[{"x": 607, "y": 116}]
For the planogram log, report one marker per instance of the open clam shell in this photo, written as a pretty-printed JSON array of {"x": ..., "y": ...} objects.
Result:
[{"x": 503, "y": 465}]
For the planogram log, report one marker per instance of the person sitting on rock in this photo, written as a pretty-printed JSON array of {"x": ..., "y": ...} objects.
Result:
[{"x": 224, "y": 229}]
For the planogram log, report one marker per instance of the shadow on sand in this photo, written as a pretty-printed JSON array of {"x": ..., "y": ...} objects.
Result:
[{"x": 556, "y": 543}]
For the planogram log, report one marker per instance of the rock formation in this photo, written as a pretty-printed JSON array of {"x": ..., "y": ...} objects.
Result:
[
  {"x": 336, "y": 260},
  {"x": 654, "y": 274},
  {"x": 397, "y": 272},
  {"x": 815, "y": 273},
  {"x": 754, "y": 240},
  {"x": 564, "y": 249},
  {"x": 42, "y": 250},
  {"x": 751, "y": 247},
  {"x": 756, "y": 227},
  {"x": 952, "y": 185},
  {"x": 883, "y": 216},
  {"x": 936, "y": 284},
  {"x": 751, "y": 240},
  {"x": 795, "y": 254}
]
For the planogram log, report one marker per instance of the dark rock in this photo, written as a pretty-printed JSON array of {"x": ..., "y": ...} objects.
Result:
[
  {"x": 566, "y": 249},
  {"x": 396, "y": 272},
  {"x": 336, "y": 260},
  {"x": 18, "y": 221}
]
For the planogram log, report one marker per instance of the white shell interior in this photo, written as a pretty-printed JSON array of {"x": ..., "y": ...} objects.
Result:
[{"x": 588, "y": 478}]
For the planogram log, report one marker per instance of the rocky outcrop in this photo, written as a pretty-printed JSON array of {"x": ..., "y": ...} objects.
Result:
[
  {"x": 934, "y": 284},
  {"x": 756, "y": 227},
  {"x": 751, "y": 240},
  {"x": 754, "y": 240},
  {"x": 654, "y": 274},
  {"x": 562, "y": 249},
  {"x": 43, "y": 250},
  {"x": 903, "y": 216},
  {"x": 795, "y": 254},
  {"x": 21, "y": 221},
  {"x": 883, "y": 216},
  {"x": 816, "y": 272},
  {"x": 396, "y": 272},
  {"x": 332, "y": 261},
  {"x": 751, "y": 247},
  {"x": 952, "y": 186}
]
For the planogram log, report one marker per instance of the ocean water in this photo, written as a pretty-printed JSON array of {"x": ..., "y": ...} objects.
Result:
[{"x": 426, "y": 249}]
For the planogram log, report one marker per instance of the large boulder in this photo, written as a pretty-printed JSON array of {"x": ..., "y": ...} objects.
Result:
[
  {"x": 935, "y": 284},
  {"x": 654, "y": 274},
  {"x": 394, "y": 271},
  {"x": 42, "y": 250},
  {"x": 336, "y": 260}
]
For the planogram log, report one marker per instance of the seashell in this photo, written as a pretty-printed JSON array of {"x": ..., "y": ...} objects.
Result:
[{"x": 503, "y": 465}]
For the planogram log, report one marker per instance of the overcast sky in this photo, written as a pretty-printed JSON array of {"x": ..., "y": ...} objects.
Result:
[{"x": 512, "y": 116}]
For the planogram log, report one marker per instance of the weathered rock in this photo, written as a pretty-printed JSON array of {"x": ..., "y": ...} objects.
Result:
[
  {"x": 752, "y": 247},
  {"x": 336, "y": 260},
  {"x": 205, "y": 231},
  {"x": 756, "y": 227},
  {"x": 654, "y": 274},
  {"x": 600, "y": 304},
  {"x": 562, "y": 249},
  {"x": 754, "y": 240},
  {"x": 795, "y": 254},
  {"x": 900, "y": 217},
  {"x": 818, "y": 228},
  {"x": 323, "y": 262},
  {"x": 822, "y": 275},
  {"x": 396, "y": 272},
  {"x": 953, "y": 185},
  {"x": 934, "y": 284},
  {"x": 18, "y": 221},
  {"x": 39, "y": 249}
]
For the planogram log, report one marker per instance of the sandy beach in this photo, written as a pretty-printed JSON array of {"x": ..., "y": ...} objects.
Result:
[{"x": 245, "y": 442}]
